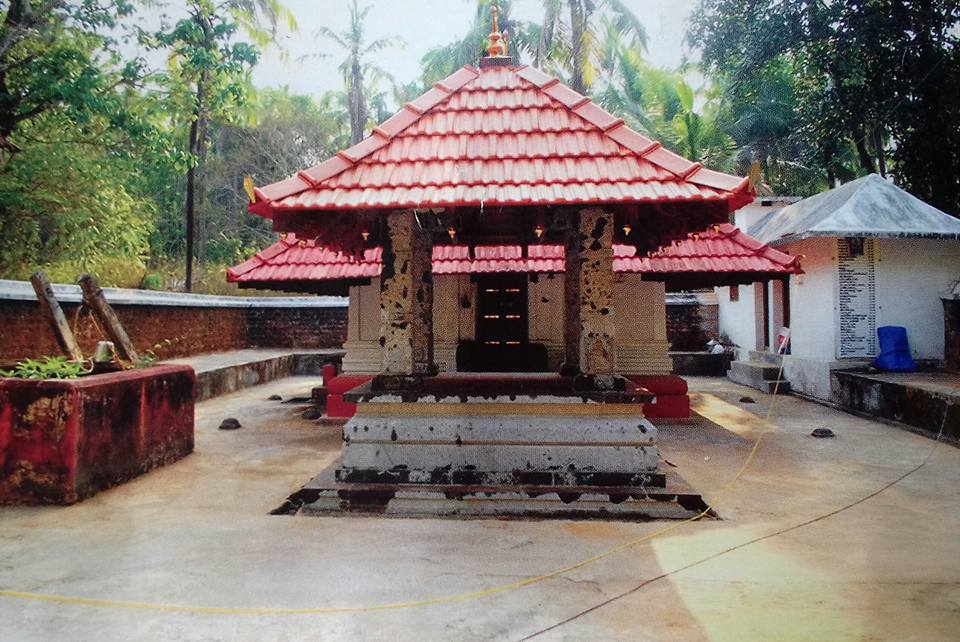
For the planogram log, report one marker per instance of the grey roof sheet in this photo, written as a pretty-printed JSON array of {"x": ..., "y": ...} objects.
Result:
[{"x": 867, "y": 207}]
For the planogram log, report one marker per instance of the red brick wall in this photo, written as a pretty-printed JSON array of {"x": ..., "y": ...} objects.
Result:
[{"x": 189, "y": 330}]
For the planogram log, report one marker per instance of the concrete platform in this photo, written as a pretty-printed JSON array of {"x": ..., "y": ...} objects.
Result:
[
  {"x": 922, "y": 401},
  {"x": 199, "y": 533},
  {"x": 225, "y": 372}
]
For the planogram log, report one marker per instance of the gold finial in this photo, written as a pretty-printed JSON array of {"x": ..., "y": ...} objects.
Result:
[
  {"x": 248, "y": 188},
  {"x": 496, "y": 46}
]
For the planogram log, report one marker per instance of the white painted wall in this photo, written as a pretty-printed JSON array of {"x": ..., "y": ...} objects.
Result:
[
  {"x": 813, "y": 306},
  {"x": 737, "y": 319},
  {"x": 911, "y": 276}
]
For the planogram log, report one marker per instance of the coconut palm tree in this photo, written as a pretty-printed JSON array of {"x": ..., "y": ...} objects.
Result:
[
  {"x": 355, "y": 68},
  {"x": 583, "y": 40},
  {"x": 665, "y": 107}
]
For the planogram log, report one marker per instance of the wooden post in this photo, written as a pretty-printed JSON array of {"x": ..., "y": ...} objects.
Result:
[
  {"x": 53, "y": 313},
  {"x": 97, "y": 303}
]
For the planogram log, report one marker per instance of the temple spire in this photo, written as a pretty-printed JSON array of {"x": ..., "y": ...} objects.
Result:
[{"x": 496, "y": 43}]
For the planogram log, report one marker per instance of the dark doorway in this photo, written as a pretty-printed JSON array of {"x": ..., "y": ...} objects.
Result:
[
  {"x": 502, "y": 343},
  {"x": 502, "y": 310}
]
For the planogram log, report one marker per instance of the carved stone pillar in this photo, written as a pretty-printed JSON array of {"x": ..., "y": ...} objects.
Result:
[
  {"x": 571, "y": 301},
  {"x": 597, "y": 331},
  {"x": 406, "y": 298}
]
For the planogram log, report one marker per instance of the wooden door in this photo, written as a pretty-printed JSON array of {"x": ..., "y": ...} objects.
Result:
[{"x": 502, "y": 310}]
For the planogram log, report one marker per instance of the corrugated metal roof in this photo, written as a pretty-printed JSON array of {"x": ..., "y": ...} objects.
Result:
[
  {"x": 722, "y": 249},
  {"x": 500, "y": 136},
  {"x": 867, "y": 207}
]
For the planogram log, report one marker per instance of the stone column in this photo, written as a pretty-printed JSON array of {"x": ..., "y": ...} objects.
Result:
[
  {"x": 406, "y": 298},
  {"x": 597, "y": 332},
  {"x": 571, "y": 300}
]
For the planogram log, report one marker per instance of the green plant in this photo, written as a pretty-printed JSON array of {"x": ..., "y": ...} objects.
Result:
[{"x": 46, "y": 368}]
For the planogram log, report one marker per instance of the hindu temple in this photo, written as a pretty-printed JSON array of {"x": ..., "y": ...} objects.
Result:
[{"x": 504, "y": 242}]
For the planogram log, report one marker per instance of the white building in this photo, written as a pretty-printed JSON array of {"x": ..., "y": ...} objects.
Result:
[{"x": 872, "y": 255}]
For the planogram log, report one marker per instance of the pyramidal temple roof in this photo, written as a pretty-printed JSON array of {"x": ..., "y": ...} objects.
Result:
[
  {"x": 505, "y": 136},
  {"x": 867, "y": 207}
]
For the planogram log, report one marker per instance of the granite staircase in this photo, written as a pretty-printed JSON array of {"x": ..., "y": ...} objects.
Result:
[{"x": 760, "y": 371}]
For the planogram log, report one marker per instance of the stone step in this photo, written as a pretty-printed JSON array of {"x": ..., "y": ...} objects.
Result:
[
  {"x": 779, "y": 387},
  {"x": 756, "y": 370},
  {"x": 758, "y": 375},
  {"x": 767, "y": 357},
  {"x": 506, "y": 502},
  {"x": 667, "y": 496}
]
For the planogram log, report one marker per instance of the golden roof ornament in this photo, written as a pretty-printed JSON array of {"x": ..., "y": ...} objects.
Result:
[{"x": 496, "y": 42}]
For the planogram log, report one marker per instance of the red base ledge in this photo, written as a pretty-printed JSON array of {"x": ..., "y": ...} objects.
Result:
[
  {"x": 672, "y": 401},
  {"x": 63, "y": 441},
  {"x": 336, "y": 387}
]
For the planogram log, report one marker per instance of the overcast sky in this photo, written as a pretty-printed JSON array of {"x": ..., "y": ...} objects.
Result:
[{"x": 424, "y": 24}]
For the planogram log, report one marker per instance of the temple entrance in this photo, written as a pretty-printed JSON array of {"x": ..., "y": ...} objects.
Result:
[
  {"x": 502, "y": 311},
  {"x": 502, "y": 339}
]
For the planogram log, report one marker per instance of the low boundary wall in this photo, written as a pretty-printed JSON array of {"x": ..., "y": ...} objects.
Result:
[{"x": 181, "y": 324}]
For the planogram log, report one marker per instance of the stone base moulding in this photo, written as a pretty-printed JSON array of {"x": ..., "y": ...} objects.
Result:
[
  {"x": 64, "y": 441},
  {"x": 546, "y": 429}
]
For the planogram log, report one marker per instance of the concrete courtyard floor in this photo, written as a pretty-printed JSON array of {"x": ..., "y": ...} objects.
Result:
[{"x": 197, "y": 534}]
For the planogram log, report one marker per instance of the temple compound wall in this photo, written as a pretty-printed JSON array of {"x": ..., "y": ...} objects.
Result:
[
  {"x": 173, "y": 324},
  {"x": 640, "y": 322}
]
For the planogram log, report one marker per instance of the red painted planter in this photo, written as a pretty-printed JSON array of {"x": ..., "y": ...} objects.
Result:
[{"x": 63, "y": 441}]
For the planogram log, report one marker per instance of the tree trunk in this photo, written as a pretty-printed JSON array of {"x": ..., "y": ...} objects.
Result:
[
  {"x": 358, "y": 115},
  {"x": 189, "y": 204},
  {"x": 878, "y": 149},
  {"x": 860, "y": 141},
  {"x": 200, "y": 182},
  {"x": 196, "y": 147},
  {"x": 578, "y": 51}
]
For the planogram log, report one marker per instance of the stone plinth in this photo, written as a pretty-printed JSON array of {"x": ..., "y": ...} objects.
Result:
[{"x": 500, "y": 430}]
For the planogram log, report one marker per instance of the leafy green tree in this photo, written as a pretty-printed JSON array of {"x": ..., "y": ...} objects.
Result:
[
  {"x": 60, "y": 56},
  {"x": 209, "y": 77},
  {"x": 69, "y": 207},
  {"x": 879, "y": 76},
  {"x": 288, "y": 133},
  {"x": 664, "y": 106},
  {"x": 356, "y": 69},
  {"x": 76, "y": 131}
]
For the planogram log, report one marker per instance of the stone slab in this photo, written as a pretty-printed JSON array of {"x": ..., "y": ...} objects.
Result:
[
  {"x": 501, "y": 457},
  {"x": 510, "y": 429},
  {"x": 546, "y": 481},
  {"x": 503, "y": 504}
]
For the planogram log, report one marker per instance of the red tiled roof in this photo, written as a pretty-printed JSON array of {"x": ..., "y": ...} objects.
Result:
[
  {"x": 500, "y": 136},
  {"x": 722, "y": 249}
]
